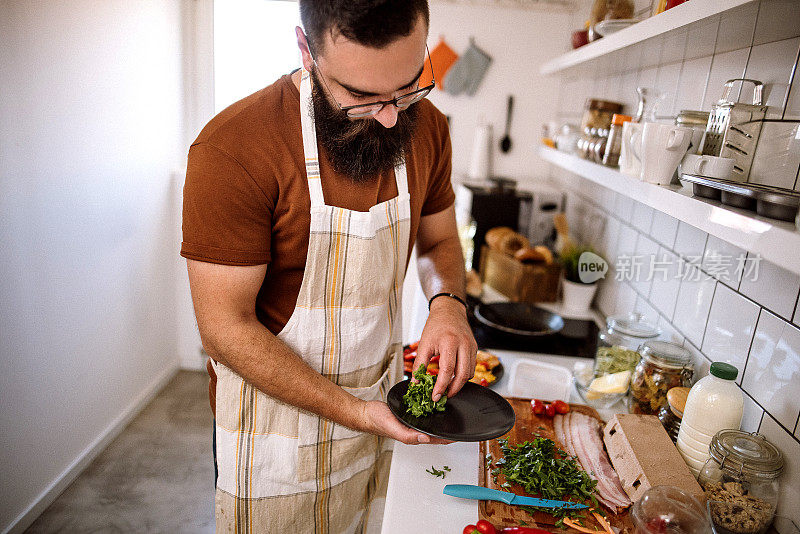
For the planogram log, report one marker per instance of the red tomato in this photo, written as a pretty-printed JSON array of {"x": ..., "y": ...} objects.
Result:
[
  {"x": 484, "y": 527},
  {"x": 433, "y": 371},
  {"x": 413, "y": 346},
  {"x": 537, "y": 407},
  {"x": 550, "y": 410},
  {"x": 561, "y": 407},
  {"x": 470, "y": 529},
  {"x": 435, "y": 359},
  {"x": 484, "y": 382}
]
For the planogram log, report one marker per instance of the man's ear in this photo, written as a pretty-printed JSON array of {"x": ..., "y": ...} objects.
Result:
[{"x": 305, "y": 51}]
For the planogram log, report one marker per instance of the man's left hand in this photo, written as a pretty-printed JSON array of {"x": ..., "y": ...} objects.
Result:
[{"x": 447, "y": 333}]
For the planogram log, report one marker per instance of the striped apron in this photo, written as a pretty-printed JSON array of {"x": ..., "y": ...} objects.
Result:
[{"x": 282, "y": 469}]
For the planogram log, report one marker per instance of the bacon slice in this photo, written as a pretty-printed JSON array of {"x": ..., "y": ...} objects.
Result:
[
  {"x": 558, "y": 426},
  {"x": 583, "y": 433}
]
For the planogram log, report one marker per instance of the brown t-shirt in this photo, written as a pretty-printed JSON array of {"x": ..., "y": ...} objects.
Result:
[{"x": 246, "y": 200}]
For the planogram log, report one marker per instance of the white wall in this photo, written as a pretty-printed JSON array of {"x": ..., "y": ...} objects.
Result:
[
  {"x": 518, "y": 41},
  {"x": 90, "y": 130}
]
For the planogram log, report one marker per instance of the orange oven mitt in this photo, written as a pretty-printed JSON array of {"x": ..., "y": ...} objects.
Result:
[{"x": 442, "y": 57}]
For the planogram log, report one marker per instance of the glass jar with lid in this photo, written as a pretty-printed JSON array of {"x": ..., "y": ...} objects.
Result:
[
  {"x": 663, "y": 366},
  {"x": 742, "y": 481},
  {"x": 618, "y": 345},
  {"x": 671, "y": 414}
]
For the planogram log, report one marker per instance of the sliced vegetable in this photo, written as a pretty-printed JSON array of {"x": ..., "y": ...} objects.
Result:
[
  {"x": 434, "y": 358},
  {"x": 409, "y": 356},
  {"x": 603, "y": 522},
  {"x": 576, "y": 526},
  {"x": 414, "y": 345},
  {"x": 484, "y": 382}
]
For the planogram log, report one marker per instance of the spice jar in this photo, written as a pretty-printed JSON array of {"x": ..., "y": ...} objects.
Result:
[
  {"x": 614, "y": 143},
  {"x": 742, "y": 481},
  {"x": 671, "y": 414},
  {"x": 598, "y": 113},
  {"x": 627, "y": 331},
  {"x": 663, "y": 366}
]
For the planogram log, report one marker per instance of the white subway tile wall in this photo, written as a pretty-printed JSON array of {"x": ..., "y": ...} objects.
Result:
[{"x": 713, "y": 301}]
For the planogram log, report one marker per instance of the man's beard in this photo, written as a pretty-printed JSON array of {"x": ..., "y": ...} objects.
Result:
[{"x": 359, "y": 148}]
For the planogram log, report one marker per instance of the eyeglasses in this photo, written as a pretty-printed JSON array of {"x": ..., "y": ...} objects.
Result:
[{"x": 373, "y": 108}]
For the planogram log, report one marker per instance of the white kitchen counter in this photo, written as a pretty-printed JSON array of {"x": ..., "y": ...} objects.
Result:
[{"x": 415, "y": 497}]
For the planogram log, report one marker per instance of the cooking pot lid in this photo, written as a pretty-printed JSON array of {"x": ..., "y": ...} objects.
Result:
[{"x": 519, "y": 318}]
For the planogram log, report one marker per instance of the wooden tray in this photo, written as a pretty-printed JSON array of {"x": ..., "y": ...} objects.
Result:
[{"x": 527, "y": 428}]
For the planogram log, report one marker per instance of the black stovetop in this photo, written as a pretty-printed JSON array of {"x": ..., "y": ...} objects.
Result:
[{"x": 577, "y": 338}]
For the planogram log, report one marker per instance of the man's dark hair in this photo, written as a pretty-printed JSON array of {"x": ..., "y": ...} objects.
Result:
[{"x": 374, "y": 23}]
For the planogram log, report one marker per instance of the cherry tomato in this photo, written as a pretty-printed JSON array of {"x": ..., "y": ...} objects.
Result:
[
  {"x": 550, "y": 410},
  {"x": 484, "y": 382},
  {"x": 561, "y": 407},
  {"x": 413, "y": 346},
  {"x": 484, "y": 527},
  {"x": 409, "y": 357},
  {"x": 470, "y": 529},
  {"x": 537, "y": 407},
  {"x": 434, "y": 359}
]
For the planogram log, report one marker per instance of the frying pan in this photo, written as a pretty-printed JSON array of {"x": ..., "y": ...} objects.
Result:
[{"x": 518, "y": 318}]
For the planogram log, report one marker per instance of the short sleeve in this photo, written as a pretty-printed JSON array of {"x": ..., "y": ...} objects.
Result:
[
  {"x": 227, "y": 217},
  {"x": 440, "y": 193}
]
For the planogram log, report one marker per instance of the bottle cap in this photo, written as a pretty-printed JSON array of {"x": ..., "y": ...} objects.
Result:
[
  {"x": 618, "y": 119},
  {"x": 724, "y": 370}
]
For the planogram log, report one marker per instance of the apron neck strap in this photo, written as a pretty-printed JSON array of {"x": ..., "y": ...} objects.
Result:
[{"x": 312, "y": 153}]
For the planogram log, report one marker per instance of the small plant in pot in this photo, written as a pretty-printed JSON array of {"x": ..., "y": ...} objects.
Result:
[{"x": 583, "y": 267}]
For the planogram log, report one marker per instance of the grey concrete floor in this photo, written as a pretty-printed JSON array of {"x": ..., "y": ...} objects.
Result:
[{"x": 156, "y": 476}]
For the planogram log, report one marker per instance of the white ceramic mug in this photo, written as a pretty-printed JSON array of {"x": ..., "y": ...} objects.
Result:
[
  {"x": 629, "y": 160},
  {"x": 711, "y": 166},
  {"x": 663, "y": 148}
]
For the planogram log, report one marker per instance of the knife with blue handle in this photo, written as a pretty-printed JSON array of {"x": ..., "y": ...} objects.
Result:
[{"x": 468, "y": 491}]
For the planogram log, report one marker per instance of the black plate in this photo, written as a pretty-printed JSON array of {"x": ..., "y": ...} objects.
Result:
[
  {"x": 476, "y": 413},
  {"x": 519, "y": 318}
]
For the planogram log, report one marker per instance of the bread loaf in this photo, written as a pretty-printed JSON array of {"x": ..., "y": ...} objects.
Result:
[{"x": 504, "y": 239}]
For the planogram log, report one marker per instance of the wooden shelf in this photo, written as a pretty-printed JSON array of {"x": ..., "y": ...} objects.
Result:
[
  {"x": 776, "y": 241},
  {"x": 677, "y": 17}
]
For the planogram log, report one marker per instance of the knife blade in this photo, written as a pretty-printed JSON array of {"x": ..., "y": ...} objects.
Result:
[{"x": 469, "y": 491}]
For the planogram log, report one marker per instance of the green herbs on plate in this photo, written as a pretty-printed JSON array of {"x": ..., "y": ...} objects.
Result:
[{"x": 418, "y": 397}]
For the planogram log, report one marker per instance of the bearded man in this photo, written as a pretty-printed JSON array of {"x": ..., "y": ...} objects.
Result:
[{"x": 302, "y": 204}]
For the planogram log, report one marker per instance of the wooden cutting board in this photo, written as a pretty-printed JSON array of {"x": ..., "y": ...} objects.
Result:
[{"x": 527, "y": 428}]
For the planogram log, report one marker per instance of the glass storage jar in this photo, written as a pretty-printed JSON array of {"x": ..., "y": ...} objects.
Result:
[
  {"x": 618, "y": 344},
  {"x": 742, "y": 481},
  {"x": 663, "y": 366},
  {"x": 671, "y": 414}
]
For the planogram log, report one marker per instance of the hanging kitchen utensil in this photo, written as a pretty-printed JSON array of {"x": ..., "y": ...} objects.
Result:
[
  {"x": 733, "y": 128},
  {"x": 467, "y": 73},
  {"x": 442, "y": 58},
  {"x": 505, "y": 142}
]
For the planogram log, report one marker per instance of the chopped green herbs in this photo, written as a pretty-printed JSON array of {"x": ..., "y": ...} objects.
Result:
[
  {"x": 438, "y": 473},
  {"x": 535, "y": 467},
  {"x": 418, "y": 397}
]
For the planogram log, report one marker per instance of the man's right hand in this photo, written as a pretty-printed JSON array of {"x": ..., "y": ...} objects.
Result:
[{"x": 379, "y": 419}]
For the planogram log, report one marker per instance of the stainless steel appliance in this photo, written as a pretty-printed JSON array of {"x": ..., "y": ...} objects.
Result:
[{"x": 733, "y": 128}]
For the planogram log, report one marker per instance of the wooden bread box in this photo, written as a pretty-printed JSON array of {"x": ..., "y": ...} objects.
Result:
[
  {"x": 518, "y": 281},
  {"x": 644, "y": 456}
]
